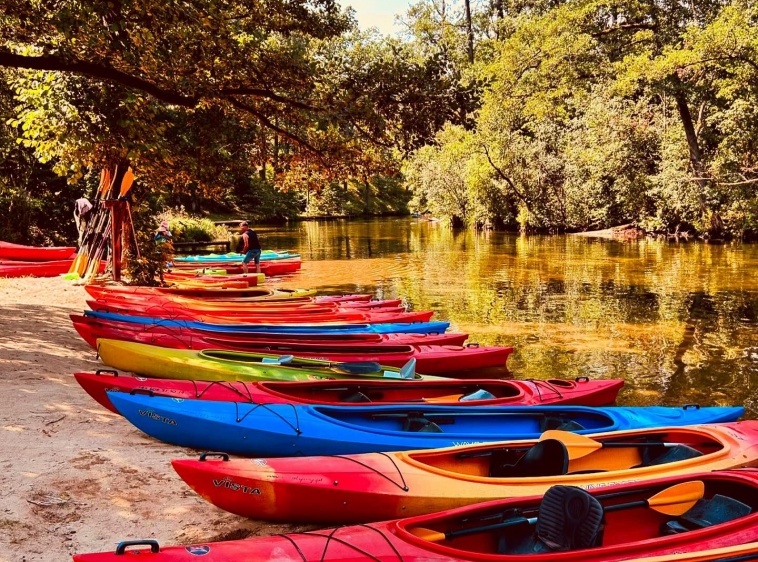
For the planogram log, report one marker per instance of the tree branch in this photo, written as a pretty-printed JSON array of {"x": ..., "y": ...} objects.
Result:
[
  {"x": 56, "y": 63},
  {"x": 507, "y": 180},
  {"x": 265, "y": 121}
]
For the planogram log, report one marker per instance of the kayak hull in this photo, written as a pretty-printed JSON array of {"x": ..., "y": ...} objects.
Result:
[
  {"x": 505, "y": 392},
  {"x": 629, "y": 533},
  {"x": 451, "y": 360},
  {"x": 405, "y": 327},
  {"x": 284, "y": 430},
  {"x": 252, "y": 316},
  {"x": 35, "y": 253},
  {"x": 223, "y": 365},
  {"x": 370, "y": 487},
  {"x": 91, "y": 329}
]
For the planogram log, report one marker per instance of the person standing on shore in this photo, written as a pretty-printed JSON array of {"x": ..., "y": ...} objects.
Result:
[{"x": 251, "y": 248}]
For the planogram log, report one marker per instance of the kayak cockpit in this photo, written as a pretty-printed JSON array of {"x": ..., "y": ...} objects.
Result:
[
  {"x": 578, "y": 454},
  {"x": 658, "y": 514}
]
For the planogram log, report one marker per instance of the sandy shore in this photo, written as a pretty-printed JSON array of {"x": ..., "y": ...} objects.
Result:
[{"x": 75, "y": 477}]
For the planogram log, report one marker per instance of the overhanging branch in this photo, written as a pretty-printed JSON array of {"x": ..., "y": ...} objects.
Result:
[{"x": 55, "y": 63}]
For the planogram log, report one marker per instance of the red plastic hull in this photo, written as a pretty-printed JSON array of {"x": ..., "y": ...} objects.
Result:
[
  {"x": 34, "y": 253},
  {"x": 269, "y": 267},
  {"x": 99, "y": 291},
  {"x": 90, "y": 328},
  {"x": 262, "y": 317},
  {"x": 38, "y": 269},
  {"x": 441, "y": 358},
  {"x": 629, "y": 533},
  {"x": 507, "y": 393}
]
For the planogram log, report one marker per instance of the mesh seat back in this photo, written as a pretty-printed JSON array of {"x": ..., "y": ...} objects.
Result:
[{"x": 569, "y": 519}]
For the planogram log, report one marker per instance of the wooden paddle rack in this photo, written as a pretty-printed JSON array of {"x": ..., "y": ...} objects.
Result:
[{"x": 121, "y": 229}]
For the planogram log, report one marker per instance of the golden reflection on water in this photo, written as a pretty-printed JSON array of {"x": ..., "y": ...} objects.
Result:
[{"x": 679, "y": 322}]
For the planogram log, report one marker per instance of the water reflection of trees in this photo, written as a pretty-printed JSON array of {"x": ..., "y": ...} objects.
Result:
[{"x": 677, "y": 321}]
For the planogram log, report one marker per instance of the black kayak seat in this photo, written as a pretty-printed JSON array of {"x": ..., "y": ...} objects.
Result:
[
  {"x": 706, "y": 513},
  {"x": 557, "y": 422},
  {"x": 569, "y": 518},
  {"x": 421, "y": 425},
  {"x": 356, "y": 397},
  {"x": 653, "y": 456},
  {"x": 545, "y": 458}
]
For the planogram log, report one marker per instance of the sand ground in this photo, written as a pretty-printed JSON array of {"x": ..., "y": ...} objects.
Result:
[{"x": 74, "y": 477}]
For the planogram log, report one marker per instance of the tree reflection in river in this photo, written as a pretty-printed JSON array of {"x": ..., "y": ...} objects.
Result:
[{"x": 679, "y": 322}]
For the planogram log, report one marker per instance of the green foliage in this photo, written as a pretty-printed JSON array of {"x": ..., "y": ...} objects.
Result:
[{"x": 598, "y": 114}]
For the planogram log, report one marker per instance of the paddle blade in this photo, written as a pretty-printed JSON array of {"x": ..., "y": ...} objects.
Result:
[
  {"x": 677, "y": 499},
  {"x": 578, "y": 446},
  {"x": 409, "y": 369},
  {"x": 447, "y": 398},
  {"x": 126, "y": 183},
  {"x": 426, "y": 534}
]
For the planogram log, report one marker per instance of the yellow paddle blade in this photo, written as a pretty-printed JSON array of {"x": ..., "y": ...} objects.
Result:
[
  {"x": 577, "y": 445},
  {"x": 677, "y": 499},
  {"x": 427, "y": 534}
]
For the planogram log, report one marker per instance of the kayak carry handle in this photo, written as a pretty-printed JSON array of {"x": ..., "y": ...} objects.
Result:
[
  {"x": 582, "y": 379},
  {"x": 106, "y": 372},
  {"x": 152, "y": 543},
  {"x": 688, "y": 406},
  {"x": 472, "y": 345},
  {"x": 146, "y": 391},
  {"x": 224, "y": 457}
]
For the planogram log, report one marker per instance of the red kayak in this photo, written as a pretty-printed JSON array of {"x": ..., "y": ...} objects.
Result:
[
  {"x": 480, "y": 392},
  {"x": 686, "y": 513},
  {"x": 91, "y": 328},
  {"x": 39, "y": 269},
  {"x": 200, "y": 305},
  {"x": 269, "y": 267},
  {"x": 259, "y": 295},
  {"x": 430, "y": 359},
  {"x": 249, "y": 316},
  {"x": 35, "y": 253},
  {"x": 251, "y": 280}
]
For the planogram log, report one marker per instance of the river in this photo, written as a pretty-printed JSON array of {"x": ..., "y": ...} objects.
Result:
[{"x": 677, "y": 321}]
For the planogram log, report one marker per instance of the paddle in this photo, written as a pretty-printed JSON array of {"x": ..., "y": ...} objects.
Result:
[
  {"x": 674, "y": 500},
  {"x": 579, "y": 446}
]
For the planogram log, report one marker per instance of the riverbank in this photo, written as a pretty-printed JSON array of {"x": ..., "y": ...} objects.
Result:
[{"x": 75, "y": 477}]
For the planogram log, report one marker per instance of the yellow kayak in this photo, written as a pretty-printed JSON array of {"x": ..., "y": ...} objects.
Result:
[{"x": 223, "y": 365}]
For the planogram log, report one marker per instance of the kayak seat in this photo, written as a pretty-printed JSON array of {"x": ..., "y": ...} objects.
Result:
[
  {"x": 546, "y": 458},
  {"x": 707, "y": 512},
  {"x": 480, "y": 394},
  {"x": 569, "y": 518},
  {"x": 421, "y": 425},
  {"x": 653, "y": 456},
  {"x": 557, "y": 422},
  {"x": 281, "y": 360},
  {"x": 356, "y": 397}
]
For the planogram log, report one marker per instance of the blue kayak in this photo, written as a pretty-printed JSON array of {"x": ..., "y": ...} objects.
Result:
[
  {"x": 399, "y": 328},
  {"x": 275, "y": 430}
]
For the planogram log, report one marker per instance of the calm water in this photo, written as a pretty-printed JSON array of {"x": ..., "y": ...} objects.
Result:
[{"x": 679, "y": 322}]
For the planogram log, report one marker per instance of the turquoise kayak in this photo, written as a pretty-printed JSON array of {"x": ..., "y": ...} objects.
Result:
[{"x": 235, "y": 257}]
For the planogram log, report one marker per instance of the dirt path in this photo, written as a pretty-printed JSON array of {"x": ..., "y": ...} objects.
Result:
[{"x": 73, "y": 476}]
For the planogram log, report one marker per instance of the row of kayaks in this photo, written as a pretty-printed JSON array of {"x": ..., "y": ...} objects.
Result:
[
  {"x": 419, "y": 467},
  {"x": 18, "y": 260}
]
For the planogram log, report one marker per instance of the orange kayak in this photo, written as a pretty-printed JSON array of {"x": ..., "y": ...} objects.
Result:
[{"x": 377, "y": 486}]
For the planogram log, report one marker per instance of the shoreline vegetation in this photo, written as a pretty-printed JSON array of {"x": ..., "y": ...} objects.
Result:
[{"x": 535, "y": 116}]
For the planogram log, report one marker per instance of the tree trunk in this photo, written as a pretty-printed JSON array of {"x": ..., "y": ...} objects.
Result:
[
  {"x": 469, "y": 32},
  {"x": 696, "y": 160}
]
